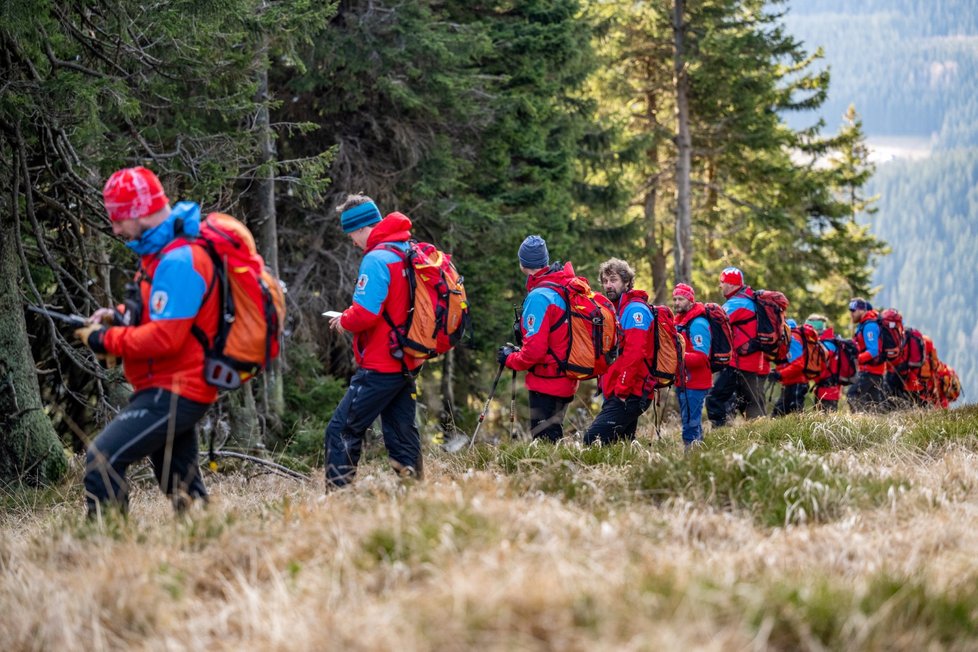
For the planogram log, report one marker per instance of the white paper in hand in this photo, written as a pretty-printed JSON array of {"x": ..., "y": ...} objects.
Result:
[{"x": 331, "y": 313}]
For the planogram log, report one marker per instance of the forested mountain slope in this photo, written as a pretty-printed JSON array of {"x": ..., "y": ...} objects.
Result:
[{"x": 911, "y": 69}]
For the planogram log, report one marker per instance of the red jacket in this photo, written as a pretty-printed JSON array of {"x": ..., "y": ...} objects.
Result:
[
  {"x": 823, "y": 391},
  {"x": 542, "y": 308},
  {"x": 793, "y": 371},
  {"x": 629, "y": 374},
  {"x": 867, "y": 330},
  {"x": 697, "y": 358},
  {"x": 381, "y": 288},
  {"x": 161, "y": 352},
  {"x": 741, "y": 310}
]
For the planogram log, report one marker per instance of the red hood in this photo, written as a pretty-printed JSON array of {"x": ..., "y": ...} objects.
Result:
[
  {"x": 553, "y": 274},
  {"x": 698, "y": 310},
  {"x": 870, "y": 315},
  {"x": 631, "y": 295},
  {"x": 827, "y": 334},
  {"x": 396, "y": 227}
]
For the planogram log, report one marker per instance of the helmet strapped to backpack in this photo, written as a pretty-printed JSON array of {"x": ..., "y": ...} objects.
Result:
[{"x": 593, "y": 331}]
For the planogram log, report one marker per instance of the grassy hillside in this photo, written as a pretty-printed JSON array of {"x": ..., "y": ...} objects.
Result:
[{"x": 803, "y": 533}]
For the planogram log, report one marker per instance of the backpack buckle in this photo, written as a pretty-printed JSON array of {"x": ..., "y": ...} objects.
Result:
[{"x": 220, "y": 374}]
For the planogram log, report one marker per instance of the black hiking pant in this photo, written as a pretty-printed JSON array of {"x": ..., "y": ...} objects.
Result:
[
  {"x": 157, "y": 423},
  {"x": 547, "y": 415},
  {"x": 617, "y": 420},
  {"x": 868, "y": 393},
  {"x": 742, "y": 390},
  {"x": 792, "y": 399}
]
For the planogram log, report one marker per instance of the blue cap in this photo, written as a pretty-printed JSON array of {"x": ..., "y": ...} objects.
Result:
[
  {"x": 359, "y": 216},
  {"x": 860, "y": 304},
  {"x": 533, "y": 253},
  {"x": 791, "y": 323}
]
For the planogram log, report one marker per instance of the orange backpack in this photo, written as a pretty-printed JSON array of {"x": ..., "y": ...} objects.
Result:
[
  {"x": 251, "y": 304},
  {"x": 593, "y": 331},
  {"x": 666, "y": 348},
  {"x": 812, "y": 350},
  {"x": 438, "y": 314}
]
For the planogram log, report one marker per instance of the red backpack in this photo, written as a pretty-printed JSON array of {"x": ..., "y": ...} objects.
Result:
[
  {"x": 438, "y": 313},
  {"x": 773, "y": 336},
  {"x": 890, "y": 323},
  {"x": 593, "y": 331},
  {"x": 252, "y": 304},
  {"x": 913, "y": 350},
  {"x": 665, "y": 348},
  {"x": 721, "y": 336},
  {"x": 842, "y": 365}
]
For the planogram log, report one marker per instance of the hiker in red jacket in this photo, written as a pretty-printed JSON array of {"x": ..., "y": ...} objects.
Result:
[
  {"x": 381, "y": 385},
  {"x": 155, "y": 338},
  {"x": 743, "y": 380},
  {"x": 827, "y": 394},
  {"x": 868, "y": 393},
  {"x": 692, "y": 389},
  {"x": 791, "y": 375},
  {"x": 627, "y": 386},
  {"x": 543, "y": 331}
]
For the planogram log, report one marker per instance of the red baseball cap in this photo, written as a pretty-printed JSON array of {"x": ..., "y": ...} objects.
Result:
[{"x": 131, "y": 193}]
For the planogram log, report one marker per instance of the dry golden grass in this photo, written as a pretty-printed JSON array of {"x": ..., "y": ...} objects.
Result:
[{"x": 481, "y": 558}]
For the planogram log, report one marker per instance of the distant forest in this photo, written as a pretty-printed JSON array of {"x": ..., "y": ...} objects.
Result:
[{"x": 910, "y": 67}]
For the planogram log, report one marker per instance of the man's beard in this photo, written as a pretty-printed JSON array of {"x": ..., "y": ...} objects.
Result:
[{"x": 612, "y": 295}]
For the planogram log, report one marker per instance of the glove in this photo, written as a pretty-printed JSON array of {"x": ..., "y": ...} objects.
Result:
[
  {"x": 774, "y": 376},
  {"x": 92, "y": 336},
  {"x": 504, "y": 353}
]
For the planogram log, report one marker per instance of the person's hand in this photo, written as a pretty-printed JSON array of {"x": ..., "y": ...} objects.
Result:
[
  {"x": 84, "y": 333},
  {"x": 504, "y": 352},
  {"x": 334, "y": 324},
  {"x": 106, "y": 316},
  {"x": 774, "y": 376},
  {"x": 93, "y": 336}
]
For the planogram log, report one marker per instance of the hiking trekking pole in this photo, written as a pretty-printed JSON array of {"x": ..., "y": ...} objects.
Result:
[
  {"x": 485, "y": 409},
  {"x": 512, "y": 410},
  {"x": 75, "y": 321},
  {"x": 518, "y": 338}
]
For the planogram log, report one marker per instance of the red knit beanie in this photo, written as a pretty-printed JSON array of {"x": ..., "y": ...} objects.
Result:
[
  {"x": 684, "y": 291},
  {"x": 733, "y": 276},
  {"x": 133, "y": 192}
]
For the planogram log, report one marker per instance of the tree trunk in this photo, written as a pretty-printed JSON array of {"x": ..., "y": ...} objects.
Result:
[
  {"x": 244, "y": 432},
  {"x": 273, "y": 397},
  {"x": 30, "y": 450},
  {"x": 684, "y": 224},
  {"x": 446, "y": 415},
  {"x": 654, "y": 242}
]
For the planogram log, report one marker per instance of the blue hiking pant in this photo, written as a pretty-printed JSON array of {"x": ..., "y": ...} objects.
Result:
[
  {"x": 691, "y": 411},
  {"x": 617, "y": 420},
  {"x": 372, "y": 394},
  {"x": 156, "y": 423}
]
